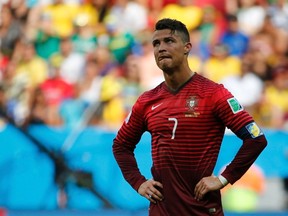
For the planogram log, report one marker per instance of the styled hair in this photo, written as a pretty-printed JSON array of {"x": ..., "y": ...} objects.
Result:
[{"x": 175, "y": 26}]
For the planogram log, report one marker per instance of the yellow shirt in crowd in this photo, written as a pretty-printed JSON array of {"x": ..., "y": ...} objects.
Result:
[
  {"x": 217, "y": 69},
  {"x": 35, "y": 70},
  {"x": 113, "y": 112},
  {"x": 62, "y": 17},
  {"x": 190, "y": 15}
]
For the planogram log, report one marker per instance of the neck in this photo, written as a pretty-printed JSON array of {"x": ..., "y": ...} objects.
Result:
[{"x": 176, "y": 80}]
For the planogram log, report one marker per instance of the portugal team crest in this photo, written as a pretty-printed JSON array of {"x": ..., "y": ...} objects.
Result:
[{"x": 192, "y": 102}]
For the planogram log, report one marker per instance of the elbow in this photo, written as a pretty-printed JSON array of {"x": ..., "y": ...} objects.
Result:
[
  {"x": 261, "y": 142},
  {"x": 264, "y": 142}
]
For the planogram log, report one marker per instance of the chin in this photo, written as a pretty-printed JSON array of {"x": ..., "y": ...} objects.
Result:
[
  {"x": 164, "y": 66},
  {"x": 167, "y": 70}
]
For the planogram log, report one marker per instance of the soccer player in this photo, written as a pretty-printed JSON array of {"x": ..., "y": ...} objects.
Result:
[{"x": 186, "y": 115}]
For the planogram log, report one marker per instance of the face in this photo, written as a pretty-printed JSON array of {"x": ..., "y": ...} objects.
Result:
[{"x": 169, "y": 49}]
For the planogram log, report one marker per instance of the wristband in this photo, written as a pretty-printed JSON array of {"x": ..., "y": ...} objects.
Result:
[{"x": 223, "y": 180}]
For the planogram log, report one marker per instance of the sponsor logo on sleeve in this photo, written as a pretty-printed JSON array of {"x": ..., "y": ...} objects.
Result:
[
  {"x": 234, "y": 105},
  {"x": 254, "y": 130}
]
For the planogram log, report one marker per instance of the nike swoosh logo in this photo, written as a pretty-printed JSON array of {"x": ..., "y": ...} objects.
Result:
[{"x": 154, "y": 107}]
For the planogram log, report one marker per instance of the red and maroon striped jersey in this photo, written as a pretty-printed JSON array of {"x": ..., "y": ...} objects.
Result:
[{"x": 187, "y": 128}]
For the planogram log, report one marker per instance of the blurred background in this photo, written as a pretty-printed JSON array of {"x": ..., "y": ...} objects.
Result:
[{"x": 70, "y": 71}]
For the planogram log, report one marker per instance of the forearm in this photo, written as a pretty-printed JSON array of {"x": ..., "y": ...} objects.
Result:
[
  {"x": 128, "y": 165},
  {"x": 244, "y": 158}
]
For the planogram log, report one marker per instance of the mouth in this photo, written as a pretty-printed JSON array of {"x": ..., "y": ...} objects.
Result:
[{"x": 163, "y": 57}]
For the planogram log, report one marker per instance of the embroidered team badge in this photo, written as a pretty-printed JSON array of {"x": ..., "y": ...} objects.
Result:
[
  {"x": 234, "y": 105},
  {"x": 191, "y": 104},
  {"x": 254, "y": 130}
]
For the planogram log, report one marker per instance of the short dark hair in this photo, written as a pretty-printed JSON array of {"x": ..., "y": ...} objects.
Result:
[
  {"x": 231, "y": 18},
  {"x": 174, "y": 25}
]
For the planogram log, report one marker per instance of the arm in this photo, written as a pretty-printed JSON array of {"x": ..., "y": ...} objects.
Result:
[
  {"x": 232, "y": 114},
  {"x": 234, "y": 117},
  {"x": 123, "y": 148},
  {"x": 254, "y": 142},
  {"x": 245, "y": 157},
  {"x": 124, "y": 145}
]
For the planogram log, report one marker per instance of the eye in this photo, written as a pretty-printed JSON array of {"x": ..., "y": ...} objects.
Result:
[
  {"x": 169, "y": 40},
  {"x": 155, "y": 43}
]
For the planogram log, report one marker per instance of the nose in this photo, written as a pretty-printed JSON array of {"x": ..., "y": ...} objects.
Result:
[{"x": 161, "y": 47}]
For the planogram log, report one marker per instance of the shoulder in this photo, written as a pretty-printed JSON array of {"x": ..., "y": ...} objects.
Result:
[
  {"x": 149, "y": 95},
  {"x": 205, "y": 85},
  {"x": 148, "y": 98}
]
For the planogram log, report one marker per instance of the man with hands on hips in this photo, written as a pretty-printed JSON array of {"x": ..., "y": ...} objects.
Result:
[{"x": 186, "y": 115}]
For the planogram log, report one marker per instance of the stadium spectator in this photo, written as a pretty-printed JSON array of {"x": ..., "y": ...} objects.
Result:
[
  {"x": 4, "y": 60},
  {"x": 273, "y": 109},
  {"x": 248, "y": 10},
  {"x": 90, "y": 84},
  {"x": 124, "y": 13},
  {"x": 186, "y": 114},
  {"x": 267, "y": 48},
  {"x": 220, "y": 64},
  {"x": 62, "y": 22},
  {"x": 119, "y": 41},
  {"x": 24, "y": 73},
  {"x": 278, "y": 11},
  {"x": 29, "y": 64},
  {"x": 40, "y": 30},
  {"x": 3, "y": 104},
  {"x": 220, "y": 5},
  {"x": 154, "y": 8},
  {"x": 211, "y": 28},
  {"x": 105, "y": 61},
  {"x": 95, "y": 12},
  {"x": 72, "y": 62},
  {"x": 131, "y": 84},
  {"x": 245, "y": 83},
  {"x": 10, "y": 31},
  {"x": 55, "y": 90},
  {"x": 271, "y": 42},
  {"x": 84, "y": 38},
  {"x": 236, "y": 41},
  {"x": 113, "y": 111},
  {"x": 260, "y": 65},
  {"x": 185, "y": 11},
  {"x": 150, "y": 74},
  {"x": 38, "y": 109},
  {"x": 194, "y": 58},
  {"x": 71, "y": 109},
  {"x": 18, "y": 93},
  {"x": 21, "y": 9}
]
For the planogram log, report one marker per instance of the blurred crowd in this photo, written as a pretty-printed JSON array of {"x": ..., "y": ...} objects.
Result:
[{"x": 68, "y": 61}]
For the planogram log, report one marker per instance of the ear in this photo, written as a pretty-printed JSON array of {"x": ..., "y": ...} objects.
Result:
[{"x": 187, "y": 48}]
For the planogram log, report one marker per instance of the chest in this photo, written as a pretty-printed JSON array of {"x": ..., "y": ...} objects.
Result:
[{"x": 185, "y": 113}]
